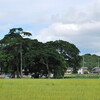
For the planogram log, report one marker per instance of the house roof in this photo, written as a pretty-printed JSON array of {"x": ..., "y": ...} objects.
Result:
[
  {"x": 69, "y": 68},
  {"x": 84, "y": 67},
  {"x": 96, "y": 68}
]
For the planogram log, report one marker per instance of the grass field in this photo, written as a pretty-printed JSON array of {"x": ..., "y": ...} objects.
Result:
[{"x": 49, "y": 89}]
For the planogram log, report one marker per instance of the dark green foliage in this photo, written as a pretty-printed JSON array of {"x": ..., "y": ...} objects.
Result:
[
  {"x": 12, "y": 44},
  {"x": 69, "y": 51},
  {"x": 42, "y": 59}
]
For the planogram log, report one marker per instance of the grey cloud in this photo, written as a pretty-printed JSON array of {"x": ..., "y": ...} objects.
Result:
[
  {"x": 86, "y": 36},
  {"x": 88, "y": 13}
]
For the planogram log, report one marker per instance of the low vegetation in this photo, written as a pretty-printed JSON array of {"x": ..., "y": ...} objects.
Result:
[{"x": 90, "y": 75}]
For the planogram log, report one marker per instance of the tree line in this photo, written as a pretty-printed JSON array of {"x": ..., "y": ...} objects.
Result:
[
  {"x": 19, "y": 55},
  {"x": 90, "y": 61}
]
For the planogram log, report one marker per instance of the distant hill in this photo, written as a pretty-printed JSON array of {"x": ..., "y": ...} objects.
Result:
[{"x": 90, "y": 61}]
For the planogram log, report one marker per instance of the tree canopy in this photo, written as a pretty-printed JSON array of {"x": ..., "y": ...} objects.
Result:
[{"x": 19, "y": 55}]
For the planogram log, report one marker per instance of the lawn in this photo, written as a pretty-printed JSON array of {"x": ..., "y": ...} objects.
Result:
[{"x": 49, "y": 89}]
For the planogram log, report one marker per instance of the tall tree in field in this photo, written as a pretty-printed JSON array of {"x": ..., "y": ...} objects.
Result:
[
  {"x": 15, "y": 40},
  {"x": 69, "y": 51}
]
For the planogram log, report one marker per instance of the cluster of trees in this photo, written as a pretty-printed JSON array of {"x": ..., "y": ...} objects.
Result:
[
  {"x": 20, "y": 55},
  {"x": 90, "y": 61}
]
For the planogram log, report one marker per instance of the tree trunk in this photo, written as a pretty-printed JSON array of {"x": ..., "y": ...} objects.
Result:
[
  {"x": 13, "y": 74},
  {"x": 48, "y": 75},
  {"x": 55, "y": 75},
  {"x": 1, "y": 70},
  {"x": 18, "y": 76},
  {"x": 21, "y": 64},
  {"x": 74, "y": 70}
]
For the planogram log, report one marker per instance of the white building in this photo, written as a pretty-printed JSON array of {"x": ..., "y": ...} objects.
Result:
[
  {"x": 83, "y": 70},
  {"x": 69, "y": 70}
]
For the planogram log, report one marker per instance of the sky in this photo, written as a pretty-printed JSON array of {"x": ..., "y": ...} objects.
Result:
[{"x": 75, "y": 21}]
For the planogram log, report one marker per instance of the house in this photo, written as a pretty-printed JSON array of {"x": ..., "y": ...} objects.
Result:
[
  {"x": 96, "y": 70},
  {"x": 2, "y": 76},
  {"x": 83, "y": 70},
  {"x": 69, "y": 70}
]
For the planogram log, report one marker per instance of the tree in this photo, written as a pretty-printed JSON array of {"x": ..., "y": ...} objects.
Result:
[
  {"x": 20, "y": 31},
  {"x": 45, "y": 61},
  {"x": 6, "y": 58},
  {"x": 69, "y": 51},
  {"x": 17, "y": 53},
  {"x": 15, "y": 41}
]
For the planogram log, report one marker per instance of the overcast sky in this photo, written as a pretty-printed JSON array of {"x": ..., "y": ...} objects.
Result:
[{"x": 76, "y": 21}]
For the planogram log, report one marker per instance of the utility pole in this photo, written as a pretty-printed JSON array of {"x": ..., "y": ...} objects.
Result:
[
  {"x": 83, "y": 60},
  {"x": 21, "y": 60},
  {"x": 98, "y": 61}
]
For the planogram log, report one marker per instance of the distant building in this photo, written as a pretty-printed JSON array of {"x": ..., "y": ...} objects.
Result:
[
  {"x": 83, "y": 70},
  {"x": 69, "y": 70},
  {"x": 96, "y": 70}
]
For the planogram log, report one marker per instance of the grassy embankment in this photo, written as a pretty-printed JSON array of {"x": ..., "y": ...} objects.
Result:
[
  {"x": 49, "y": 89},
  {"x": 90, "y": 75}
]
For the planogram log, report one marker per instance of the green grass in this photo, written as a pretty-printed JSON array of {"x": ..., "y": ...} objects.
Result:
[
  {"x": 49, "y": 89},
  {"x": 90, "y": 75}
]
